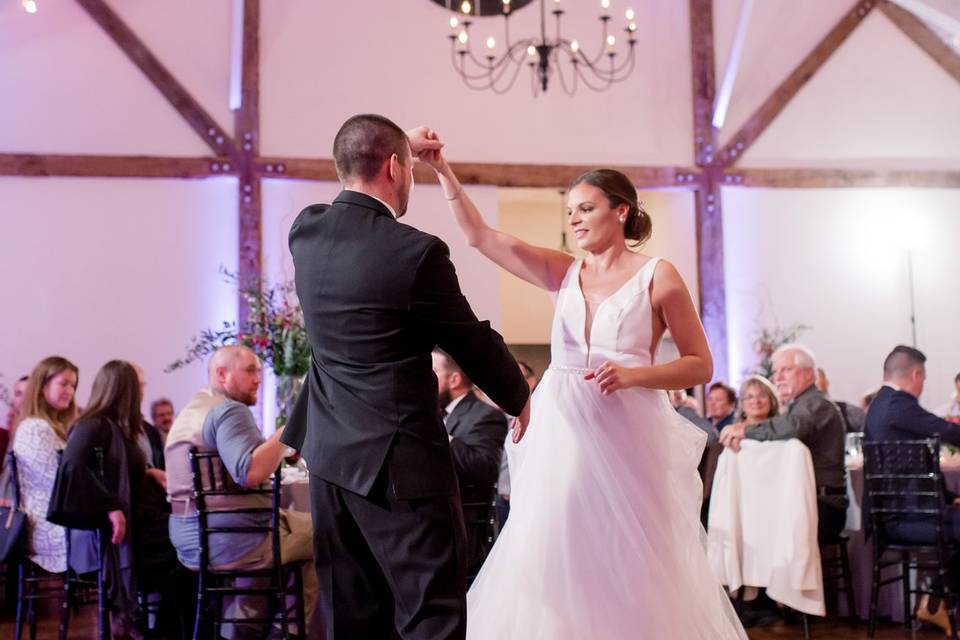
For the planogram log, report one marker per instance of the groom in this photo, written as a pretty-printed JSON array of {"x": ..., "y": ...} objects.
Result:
[{"x": 377, "y": 297}]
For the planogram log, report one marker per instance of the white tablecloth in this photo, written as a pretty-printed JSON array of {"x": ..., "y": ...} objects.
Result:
[{"x": 762, "y": 527}]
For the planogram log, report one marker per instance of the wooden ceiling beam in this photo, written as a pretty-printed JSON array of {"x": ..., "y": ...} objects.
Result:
[
  {"x": 754, "y": 127},
  {"x": 708, "y": 208},
  {"x": 247, "y": 133},
  {"x": 95, "y": 166},
  {"x": 495, "y": 174},
  {"x": 219, "y": 141},
  {"x": 924, "y": 37},
  {"x": 841, "y": 178}
]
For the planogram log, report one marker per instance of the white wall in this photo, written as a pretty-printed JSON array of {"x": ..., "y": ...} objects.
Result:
[
  {"x": 99, "y": 269},
  {"x": 837, "y": 260}
]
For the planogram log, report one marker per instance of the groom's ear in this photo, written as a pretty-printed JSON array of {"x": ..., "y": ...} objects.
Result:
[{"x": 394, "y": 167}]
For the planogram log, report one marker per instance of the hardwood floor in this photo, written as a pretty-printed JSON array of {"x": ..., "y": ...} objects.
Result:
[{"x": 83, "y": 627}]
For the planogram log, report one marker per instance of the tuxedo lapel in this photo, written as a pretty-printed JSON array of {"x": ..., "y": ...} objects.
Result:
[{"x": 459, "y": 411}]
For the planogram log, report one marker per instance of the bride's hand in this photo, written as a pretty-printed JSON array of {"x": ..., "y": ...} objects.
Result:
[
  {"x": 520, "y": 423},
  {"x": 611, "y": 377}
]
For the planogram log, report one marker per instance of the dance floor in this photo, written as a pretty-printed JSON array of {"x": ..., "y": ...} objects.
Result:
[{"x": 84, "y": 627}]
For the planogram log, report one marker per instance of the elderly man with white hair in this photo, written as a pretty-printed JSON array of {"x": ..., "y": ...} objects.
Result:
[{"x": 814, "y": 420}]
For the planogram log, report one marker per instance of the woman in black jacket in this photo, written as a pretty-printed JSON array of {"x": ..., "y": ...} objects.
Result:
[{"x": 104, "y": 484}]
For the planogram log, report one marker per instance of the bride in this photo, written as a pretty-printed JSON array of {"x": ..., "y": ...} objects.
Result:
[{"x": 604, "y": 538}]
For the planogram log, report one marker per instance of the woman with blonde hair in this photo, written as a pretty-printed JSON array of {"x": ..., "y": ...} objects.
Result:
[
  {"x": 48, "y": 409},
  {"x": 758, "y": 400}
]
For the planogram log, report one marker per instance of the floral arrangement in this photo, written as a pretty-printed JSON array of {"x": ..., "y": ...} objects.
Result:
[
  {"x": 274, "y": 330},
  {"x": 769, "y": 340}
]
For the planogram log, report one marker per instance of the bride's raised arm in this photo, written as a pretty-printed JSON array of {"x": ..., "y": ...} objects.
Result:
[{"x": 540, "y": 266}]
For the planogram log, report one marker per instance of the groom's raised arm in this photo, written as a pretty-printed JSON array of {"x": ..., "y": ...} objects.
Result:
[{"x": 447, "y": 319}]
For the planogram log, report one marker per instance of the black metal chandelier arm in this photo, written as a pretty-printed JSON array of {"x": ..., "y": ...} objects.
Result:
[
  {"x": 605, "y": 82},
  {"x": 483, "y": 70},
  {"x": 603, "y": 45},
  {"x": 491, "y": 81},
  {"x": 563, "y": 80},
  {"x": 619, "y": 71},
  {"x": 509, "y": 85}
]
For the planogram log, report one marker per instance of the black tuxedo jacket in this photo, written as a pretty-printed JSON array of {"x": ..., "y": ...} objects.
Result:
[
  {"x": 377, "y": 297},
  {"x": 896, "y": 415}
]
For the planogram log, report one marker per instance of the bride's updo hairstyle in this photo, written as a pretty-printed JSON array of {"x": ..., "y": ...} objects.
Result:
[{"x": 620, "y": 190}]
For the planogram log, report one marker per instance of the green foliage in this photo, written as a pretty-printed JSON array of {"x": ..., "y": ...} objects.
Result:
[
  {"x": 273, "y": 330},
  {"x": 769, "y": 340}
]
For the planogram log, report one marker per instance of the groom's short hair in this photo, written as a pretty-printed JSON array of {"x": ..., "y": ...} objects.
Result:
[{"x": 364, "y": 143}]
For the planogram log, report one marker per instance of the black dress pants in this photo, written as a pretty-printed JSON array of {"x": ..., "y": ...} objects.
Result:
[{"x": 386, "y": 565}]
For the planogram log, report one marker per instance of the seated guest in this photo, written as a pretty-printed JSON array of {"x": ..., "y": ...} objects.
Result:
[
  {"x": 721, "y": 405},
  {"x": 853, "y": 416},
  {"x": 686, "y": 406},
  {"x": 161, "y": 413},
  {"x": 6, "y": 430},
  {"x": 815, "y": 421},
  {"x": 866, "y": 399},
  {"x": 895, "y": 414},
  {"x": 116, "y": 491},
  {"x": 950, "y": 410},
  {"x": 218, "y": 419},
  {"x": 149, "y": 439},
  {"x": 48, "y": 408},
  {"x": 477, "y": 432},
  {"x": 758, "y": 401},
  {"x": 16, "y": 402}
]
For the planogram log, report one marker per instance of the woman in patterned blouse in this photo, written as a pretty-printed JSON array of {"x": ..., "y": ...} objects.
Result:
[{"x": 48, "y": 409}]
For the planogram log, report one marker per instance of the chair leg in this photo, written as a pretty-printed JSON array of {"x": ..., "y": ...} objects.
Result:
[
  {"x": 874, "y": 596},
  {"x": 848, "y": 586},
  {"x": 806, "y": 626},
  {"x": 21, "y": 594},
  {"x": 65, "y": 605},
  {"x": 198, "y": 619},
  {"x": 298, "y": 594},
  {"x": 32, "y": 609},
  {"x": 905, "y": 582}
]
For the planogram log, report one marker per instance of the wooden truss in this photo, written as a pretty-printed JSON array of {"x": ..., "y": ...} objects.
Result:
[{"x": 237, "y": 154}]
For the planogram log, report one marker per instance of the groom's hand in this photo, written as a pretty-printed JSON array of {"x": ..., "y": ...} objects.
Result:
[{"x": 520, "y": 423}]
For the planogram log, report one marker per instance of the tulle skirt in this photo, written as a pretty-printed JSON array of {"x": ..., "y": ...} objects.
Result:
[{"x": 604, "y": 538}]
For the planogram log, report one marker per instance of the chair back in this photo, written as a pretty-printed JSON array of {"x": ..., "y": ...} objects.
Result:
[
  {"x": 212, "y": 483},
  {"x": 13, "y": 480},
  {"x": 903, "y": 482}
]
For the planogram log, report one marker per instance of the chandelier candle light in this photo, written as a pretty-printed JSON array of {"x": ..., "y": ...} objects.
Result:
[{"x": 545, "y": 56}]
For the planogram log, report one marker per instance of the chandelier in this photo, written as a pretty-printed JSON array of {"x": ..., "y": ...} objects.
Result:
[{"x": 498, "y": 67}]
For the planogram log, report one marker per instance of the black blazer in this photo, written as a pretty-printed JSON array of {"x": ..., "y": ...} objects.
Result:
[
  {"x": 377, "y": 297},
  {"x": 478, "y": 432},
  {"x": 896, "y": 415}
]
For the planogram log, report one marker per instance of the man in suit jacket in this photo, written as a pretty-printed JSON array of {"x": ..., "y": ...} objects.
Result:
[
  {"x": 377, "y": 297},
  {"x": 815, "y": 421},
  {"x": 477, "y": 432},
  {"x": 895, "y": 414}
]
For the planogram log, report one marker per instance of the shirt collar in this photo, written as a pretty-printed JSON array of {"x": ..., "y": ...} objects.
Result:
[
  {"x": 389, "y": 208},
  {"x": 892, "y": 386},
  {"x": 453, "y": 405}
]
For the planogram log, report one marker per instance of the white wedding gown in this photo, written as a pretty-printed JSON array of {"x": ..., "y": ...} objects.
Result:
[{"x": 604, "y": 540}]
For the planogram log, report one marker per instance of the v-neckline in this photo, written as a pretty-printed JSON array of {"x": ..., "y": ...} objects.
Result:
[{"x": 583, "y": 299}]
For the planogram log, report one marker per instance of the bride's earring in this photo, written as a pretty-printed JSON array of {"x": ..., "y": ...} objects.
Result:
[{"x": 623, "y": 219}]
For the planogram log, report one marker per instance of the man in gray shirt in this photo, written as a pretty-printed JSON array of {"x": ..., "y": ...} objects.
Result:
[
  {"x": 218, "y": 419},
  {"x": 814, "y": 420}
]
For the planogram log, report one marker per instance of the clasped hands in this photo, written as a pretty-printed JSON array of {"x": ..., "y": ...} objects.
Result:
[
  {"x": 426, "y": 146},
  {"x": 732, "y": 435}
]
